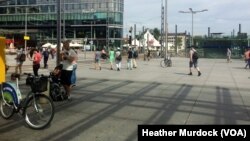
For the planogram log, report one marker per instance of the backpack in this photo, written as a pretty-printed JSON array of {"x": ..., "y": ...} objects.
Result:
[
  {"x": 135, "y": 54},
  {"x": 22, "y": 57},
  {"x": 195, "y": 55},
  {"x": 119, "y": 58},
  {"x": 46, "y": 54}
]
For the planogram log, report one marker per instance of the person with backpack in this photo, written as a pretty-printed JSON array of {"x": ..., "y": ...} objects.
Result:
[
  {"x": 193, "y": 56},
  {"x": 45, "y": 58},
  {"x": 20, "y": 58},
  {"x": 118, "y": 59},
  {"x": 130, "y": 56}
]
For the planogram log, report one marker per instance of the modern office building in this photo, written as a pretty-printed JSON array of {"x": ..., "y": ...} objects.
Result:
[{"x": 98, "y": 21}]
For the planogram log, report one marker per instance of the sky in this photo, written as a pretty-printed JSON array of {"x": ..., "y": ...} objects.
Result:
[{"x": 223, "y": 16}]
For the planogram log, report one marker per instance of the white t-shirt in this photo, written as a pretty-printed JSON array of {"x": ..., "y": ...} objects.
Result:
[{"x": 67, "y": 64}]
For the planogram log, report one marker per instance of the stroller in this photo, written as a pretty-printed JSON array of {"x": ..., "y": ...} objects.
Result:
[{"x": 57, "y": 91}]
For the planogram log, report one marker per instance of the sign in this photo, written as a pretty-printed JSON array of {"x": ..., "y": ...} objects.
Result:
[
  {"x": 26, "y": 37},
  {"x": 2, "y": 60}
]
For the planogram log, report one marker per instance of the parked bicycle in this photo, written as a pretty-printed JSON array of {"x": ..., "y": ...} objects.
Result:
[
  {"x": 167, "y": 62},
  {"x": 36, "y": 108}
]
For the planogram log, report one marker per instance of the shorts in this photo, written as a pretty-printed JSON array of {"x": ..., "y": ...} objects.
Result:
[
  {"x": 97, "y": 61},
  {"x": 66, "y": 77},
  {"x": 194, "y": 63}
]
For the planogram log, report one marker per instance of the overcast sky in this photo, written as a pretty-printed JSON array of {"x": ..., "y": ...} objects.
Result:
[{"x": 222, "y": 16}]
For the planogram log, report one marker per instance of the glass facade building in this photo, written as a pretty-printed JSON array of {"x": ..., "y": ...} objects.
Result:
[{"x": 99, "y": 21}]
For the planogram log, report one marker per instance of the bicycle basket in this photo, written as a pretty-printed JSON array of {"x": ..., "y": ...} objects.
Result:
[{"x": 39, "y": 84}]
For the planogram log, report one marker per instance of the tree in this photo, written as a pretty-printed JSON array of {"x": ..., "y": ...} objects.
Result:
[{"x": 156, "y": 32}]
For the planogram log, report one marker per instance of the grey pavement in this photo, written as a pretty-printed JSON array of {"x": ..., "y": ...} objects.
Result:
[{"x": 108, "y": 105}]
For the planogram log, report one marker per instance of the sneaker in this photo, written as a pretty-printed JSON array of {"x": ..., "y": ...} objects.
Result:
[
  {"x": 199, "y": 73},
  {"x": 69, "y": 98},
  {"x": 190, "y": 73}
]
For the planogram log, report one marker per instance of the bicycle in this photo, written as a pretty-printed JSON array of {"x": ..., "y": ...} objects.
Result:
[
  {"x": 167, "y": 62},
  {"x": 36, "y": 108}
]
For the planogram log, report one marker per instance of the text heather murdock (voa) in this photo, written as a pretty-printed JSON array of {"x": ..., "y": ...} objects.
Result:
[{"x": 216, "y": 132}]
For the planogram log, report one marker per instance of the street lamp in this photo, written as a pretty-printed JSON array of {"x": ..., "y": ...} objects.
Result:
[
  {"x": 193, "y": 12},
  {"x": 25, "y": 31}
]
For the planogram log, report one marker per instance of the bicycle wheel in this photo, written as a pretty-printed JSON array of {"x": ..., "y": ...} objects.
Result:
[
  {"x": 57, "y": 92},
  {"x": 39, "y": 111},
  {"x": 7, "y": 109},
  {"x": 163, "y": 64}
]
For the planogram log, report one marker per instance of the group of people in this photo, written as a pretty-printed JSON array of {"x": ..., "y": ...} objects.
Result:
[
  {"x": 116, "y": 57},
  {"x": 33, "y": 55},
  {"x": 68, "y": 61}
]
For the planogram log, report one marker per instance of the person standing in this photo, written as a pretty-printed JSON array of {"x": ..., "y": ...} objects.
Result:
[
  {"x": 193, "y": 62},
  {"x": 68, "y": 57},
  {"x": 118, "y": 59},
  {"x": 74, "y": 62},
  {"x": 36, "y": 58},
  {"x": 97, "y": 59},
  {"x": 148, "y": 54},
  {"x": 45, "y": 58},
  {"x": 111, "y": 58},
  {"x": 19, "y": 61},
  {"x": 229, "y": 53}
]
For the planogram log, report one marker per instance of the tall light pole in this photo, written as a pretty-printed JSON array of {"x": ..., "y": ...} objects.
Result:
[
  {"x": 166, "y": 28},
  {"x": 192, "y": 12},
  {"x": 25, "y": 31},
  {"x": 63, "y": 16},
  {"x": 58, "y": 32}
]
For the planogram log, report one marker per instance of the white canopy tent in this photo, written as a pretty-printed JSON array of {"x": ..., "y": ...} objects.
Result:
[
  {"x": 136, "y": 43},
  {"x": 149, "y": 40},
  {"x": 55, "y": 46},
  {"x": 47, "y": 45},
  {"x": 77, "y": 45}
]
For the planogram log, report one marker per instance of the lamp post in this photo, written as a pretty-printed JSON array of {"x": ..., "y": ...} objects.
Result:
[
  {"x": 25, "y": 31},
  {"x": 166, "y": 28},
  {"x": 92, "y": 12},
  {"x": 191, "y": 11}
]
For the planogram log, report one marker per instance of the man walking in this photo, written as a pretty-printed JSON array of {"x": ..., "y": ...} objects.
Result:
[
  {"x": 229, "y": 53},
  {"x": 45, "y": 58},
  {"x": 129, "y": 61},
  {"x": 118, "y": 59},
  {"x": 193, "y": 56}
]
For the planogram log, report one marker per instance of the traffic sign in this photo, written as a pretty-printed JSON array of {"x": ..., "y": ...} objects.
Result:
[{"x": 26, "y": 37}]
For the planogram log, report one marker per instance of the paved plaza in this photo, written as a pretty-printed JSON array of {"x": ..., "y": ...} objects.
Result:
[{"x": 108, "y": 105}]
